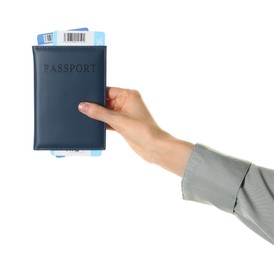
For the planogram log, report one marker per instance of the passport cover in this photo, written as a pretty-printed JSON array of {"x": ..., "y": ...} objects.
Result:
[{"x": 64, "y": 76}]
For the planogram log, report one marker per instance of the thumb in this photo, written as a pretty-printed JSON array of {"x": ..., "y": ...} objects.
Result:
[{"x": 96, "y": 112}]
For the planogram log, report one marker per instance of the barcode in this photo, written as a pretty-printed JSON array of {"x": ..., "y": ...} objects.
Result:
[
  {"x": 74, "y": 37},
  {"x": 48, "y": 38}
]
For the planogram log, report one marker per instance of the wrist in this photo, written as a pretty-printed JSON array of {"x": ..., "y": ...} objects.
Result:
[{"x": 171, "y": 153}]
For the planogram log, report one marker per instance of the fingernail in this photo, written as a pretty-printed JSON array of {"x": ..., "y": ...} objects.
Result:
[{"x": 83, "y": 107}]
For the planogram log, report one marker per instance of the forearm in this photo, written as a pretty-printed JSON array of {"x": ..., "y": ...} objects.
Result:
[{"x": 171, "y": 153}]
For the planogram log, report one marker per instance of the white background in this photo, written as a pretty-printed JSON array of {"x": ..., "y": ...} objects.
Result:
[{"x": 205, "y": 70}]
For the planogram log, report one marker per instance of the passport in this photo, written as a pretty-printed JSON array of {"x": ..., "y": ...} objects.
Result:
[{"x": 64, "y": 76}]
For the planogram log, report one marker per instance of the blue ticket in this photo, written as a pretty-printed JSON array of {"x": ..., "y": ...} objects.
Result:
[
  {"x": 47, "y": 38},
  {"x": 62, "y": 153}
]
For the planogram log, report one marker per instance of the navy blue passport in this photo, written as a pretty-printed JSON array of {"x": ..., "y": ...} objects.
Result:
[{"x": 64, "y": 76}]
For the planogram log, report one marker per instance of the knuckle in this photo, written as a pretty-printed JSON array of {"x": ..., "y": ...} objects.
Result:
[{"x": 135, "y": 94}]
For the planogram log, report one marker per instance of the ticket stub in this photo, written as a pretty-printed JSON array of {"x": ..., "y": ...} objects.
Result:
[
  {"x": 62, "y": 153},
  {"x": 46, "y": 38},
  {"x": 78, "y": 38}
]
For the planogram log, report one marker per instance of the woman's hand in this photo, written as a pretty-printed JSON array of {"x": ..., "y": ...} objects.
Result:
[{"x": 127, "y": 114}]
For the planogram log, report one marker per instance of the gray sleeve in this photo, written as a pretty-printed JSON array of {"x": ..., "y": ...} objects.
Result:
[{"x": 232, "y": 185}]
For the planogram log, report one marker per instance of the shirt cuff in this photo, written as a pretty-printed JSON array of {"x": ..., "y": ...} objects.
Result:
[{"x": 213, "y": 178}]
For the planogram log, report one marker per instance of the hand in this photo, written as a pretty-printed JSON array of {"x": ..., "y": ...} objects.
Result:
[{"x": 127, "y": 114}]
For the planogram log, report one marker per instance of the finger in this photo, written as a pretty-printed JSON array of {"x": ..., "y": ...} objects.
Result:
[
  {"x": 96, "y": 112},
  {"x": 113, "y": 92}
]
